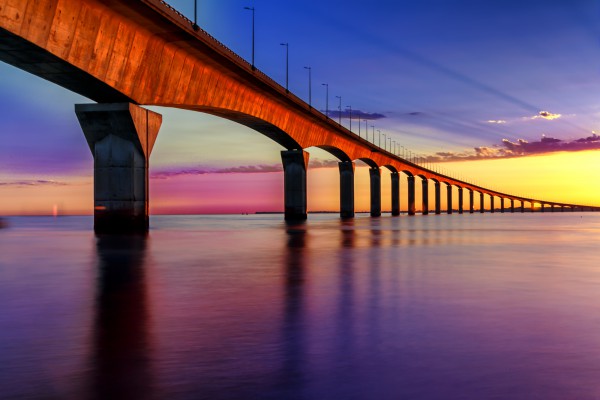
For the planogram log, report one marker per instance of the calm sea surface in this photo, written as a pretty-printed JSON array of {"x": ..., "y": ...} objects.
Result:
[{"x": 493, "y": 306}]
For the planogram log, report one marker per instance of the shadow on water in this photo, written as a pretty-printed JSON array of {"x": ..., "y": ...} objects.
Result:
[{"x": 120, "y": 366}]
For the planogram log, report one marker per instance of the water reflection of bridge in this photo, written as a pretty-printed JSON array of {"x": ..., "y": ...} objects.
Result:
[{"x": 123, "y": 54}]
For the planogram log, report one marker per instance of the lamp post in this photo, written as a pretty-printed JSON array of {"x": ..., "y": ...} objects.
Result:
[
  {"x": 379, "y": 133},
  {"x": 287, "y": 65},
  {"x": 373, "y": 127},
  {"x": 252, "y": 9},
  {"x": 326, "y": 98},
  {"x": 390, "y": 146},
  {"x": 309, "y": 85},
  {"x": 350, "y": 117},
  {"x": 395, "y": 148},
  {"x": 195, "y": 26},
  {"x": 384, "y": 142},
  {"x": 367, "y": 129},
  {"x": 340, "y": 110}
]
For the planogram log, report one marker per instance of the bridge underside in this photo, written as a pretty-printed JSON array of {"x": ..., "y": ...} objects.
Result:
[{"x": 25, "y": 55}]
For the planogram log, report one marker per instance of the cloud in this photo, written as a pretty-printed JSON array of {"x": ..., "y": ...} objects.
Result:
[
  {"x": 38, "y": 182},
  {"x": 546, "y": 115},
  {"x": 243, "y": 169},
  {"x": 355, "y": 114},
  {"x": 496, "y": 121},
  {"x": 520, "y": 148}
]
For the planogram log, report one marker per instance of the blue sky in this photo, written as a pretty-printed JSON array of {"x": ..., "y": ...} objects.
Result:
[{"x": 449, "y": 76}]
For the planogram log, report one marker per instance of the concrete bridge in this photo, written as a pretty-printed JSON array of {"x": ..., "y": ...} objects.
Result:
[{"x": 126, "y": 53}]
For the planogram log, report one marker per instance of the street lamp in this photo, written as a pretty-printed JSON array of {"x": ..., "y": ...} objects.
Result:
[
  {"x": 390, "y": 140},
  {"x": 287, "y": 65},
  {"x": 252, "y": 9},
  {"x": 326, "y": 98},
  {"x": 384, "y": 142},
  {"x": 367, "y": 129},
  {"x": 379, "y": 133},
  {"x": 340, "y": 110},
  {"x": 350, "y": 116},
  {"x": 195, "y": 26},
  {"x": 309, "y": 85},
  {"x": 373, "y": 127}
]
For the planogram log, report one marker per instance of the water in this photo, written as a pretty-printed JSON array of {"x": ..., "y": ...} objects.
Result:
[{"x": 244, "y": 307}]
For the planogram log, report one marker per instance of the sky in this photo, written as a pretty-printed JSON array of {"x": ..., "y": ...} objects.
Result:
[{"x": 499, "y": 93}]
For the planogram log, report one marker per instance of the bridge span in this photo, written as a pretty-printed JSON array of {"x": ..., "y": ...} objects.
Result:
[{"x": 126, "y": 53}]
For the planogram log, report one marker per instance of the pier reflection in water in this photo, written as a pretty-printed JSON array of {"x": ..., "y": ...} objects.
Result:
[{"x": 253, "y": 308}]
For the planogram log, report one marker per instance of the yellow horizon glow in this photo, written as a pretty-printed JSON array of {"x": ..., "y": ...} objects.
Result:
[{"x": 567, "y": 177}]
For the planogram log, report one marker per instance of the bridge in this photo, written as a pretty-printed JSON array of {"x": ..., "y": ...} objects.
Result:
[{"x": 127, "y": 53}]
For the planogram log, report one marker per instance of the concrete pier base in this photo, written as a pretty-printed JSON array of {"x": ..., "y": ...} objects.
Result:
[
  {"x": 481, "y": 203},
  {"x": 460, "y": 200},
  {"x": 471, "y": 202},
  {"x": 449, "y": 199},
  {"x": 438, "y": 198},
  {"x": 411, "y": 194},
  {"x": 395, "y": 177},
  {"x": 121, "y": 137},
  {"x": 425, "y": 196},
  {"x": 295, "y": 163},
  {"x": 375, "y": 179},
  {"x": 346, "y": 189}
]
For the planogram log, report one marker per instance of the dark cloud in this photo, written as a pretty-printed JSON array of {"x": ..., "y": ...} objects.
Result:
[
  {"x": 244, "y": 169},
  {"x": 355, "y": 114},
  {"x": 38, "y": 182},
  {"x": 520, "y": 148}
]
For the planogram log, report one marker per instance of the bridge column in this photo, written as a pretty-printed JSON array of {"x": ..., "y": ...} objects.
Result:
[
  {"x": 460, "y": 200},
  {"x": 375, "y": 175},
  {"x": 512, "y": 205},
  {"x": 395, "y": 176},
  {"x": 346, "y": 189},
  {"x": 552, "y": 208},
  {"x": 562, "y": 208},
  {"x": 438, "y": 199},
  {"x": 542, "y": 207},
  {"x": 502, "y": 204},
  {"x": 411, "y": 194},
  {"x": 492, "y": 204},
  {"x": 532, "y": 207},
  {"x": 425, "y": 195},
  {"x": 522, "y": 206},
  {"x": 481, "y": 202},
  {"x": 449, "y": 198},
  {"x": 471, "y": 202},
  {"x": 294, "y": 183},
  {"x": 121, "y": 137}
]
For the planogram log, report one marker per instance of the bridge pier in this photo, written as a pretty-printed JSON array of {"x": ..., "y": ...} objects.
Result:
[
  {"x": 411, "y": 194},
  {"x": 542, "y": 207},
  {"x": 512, "y": 205},
  {"x": 295, "y": 163},
  {"x": 460, "y": 200},
  {"x": 438, "y": 198},
  {"x": 395, "y": 177},
  {"x": 425, "y": 196},
  {"x": 502, "y": 205},
  {"x": 375, "y": 177},
  {"x": 471, "y": 202},
  {"x": 492, "y": 204},
  {"x": 522, "y": 206},
  {"x": 449, "y": 198},
  {"x": 481, "y": 202},
  {"x": 121, "y": 137},
  {"x": 346, "y": 189}
]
